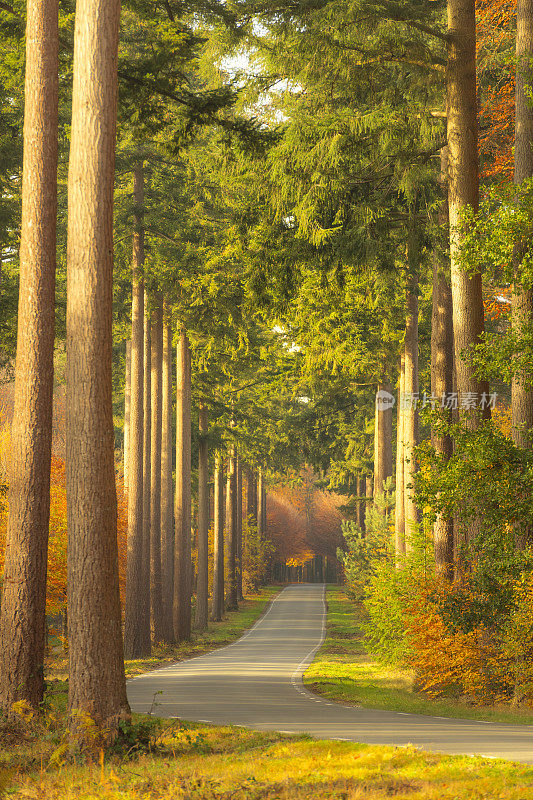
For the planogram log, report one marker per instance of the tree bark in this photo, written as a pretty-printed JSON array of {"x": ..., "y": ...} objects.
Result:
[
  {"x": 127, "y": 404},
  {"x": 361, "y": 506},
  {"x": 369, "y": 499},
  {"x": 147, "y": 475},
  {"x": 156, "y": 367},
  {"x": 203, "y": 523},
  {"x": 260, "y": 504},
  {"x": 167, "y": 495},
  {"x": 22, "y": 624},
  {"x": 463, "y": 192},
  {"x": 217, "y": 609},
  {"x": 136, "y": 637},
  {"x": 382, "y": 440},
  {"x": 182, "y": 566},
  {"x": 410, "y": 410},
  {"x": 239, "y": 565},
  {"x": 399, "y": 515},
  {"x": 442, "y": 374},
  {"x": 522, "y": 299},
  {"x": 231, "y": 531},
  {"x": 97, "y": 685},
  {"x": 251, "y": 497}
]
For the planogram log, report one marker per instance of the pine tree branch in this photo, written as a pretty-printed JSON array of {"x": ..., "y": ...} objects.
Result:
[
  {"x": 432, "y": 63},
  {"x": 8, "y": 8},
  {"x": 397, "y": 14}
]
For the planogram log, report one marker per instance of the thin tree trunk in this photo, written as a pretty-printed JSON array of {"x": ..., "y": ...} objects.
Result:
[
  {"x": 127, "y": 404},
  {"x": 251, "y": 497},
  {"x": 369, "y": 499},
  {"x": 239, "y": 565},
  {"x": 22, "y": 624},
  {"x": 442, "y": 374},
  {"x": 399, "y": 516},
  {"x": 463, "y": 186},
  {"x": 147, "y": 475},
  {"x": 361, "y": 492},
  {"x": 182, "y": 567},
  {"x": 231, "y": 531},
  {"x": 156, "y": 366},
  {"x": 97, "y": 684},
  {"x": 382, "y": 437},
  {"x": 167, "y": 495},
  {"x": 522, "y": 299},
  {"x": 136, "y": 638},
  {"x": 217, "y": 609},
  {"x": 410, "y": 411},
  {"x": 203, "y": 523},
  {"x": 260, "y": 504}
]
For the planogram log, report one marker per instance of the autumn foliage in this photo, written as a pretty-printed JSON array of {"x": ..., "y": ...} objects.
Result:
[
  {"x": 454, "y": 653},
  {"x": 496, "y": 25},
  {"x": 303, "y": 521},
  {"x": 56, "y": 592}
]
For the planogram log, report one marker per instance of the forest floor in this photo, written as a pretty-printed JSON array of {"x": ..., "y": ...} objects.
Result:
[
  {"x": 174, "y": 760},
  {"x": 344, "y": 671}
]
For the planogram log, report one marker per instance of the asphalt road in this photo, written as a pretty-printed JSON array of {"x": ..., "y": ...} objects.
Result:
[{"x": 256, "y": 682}]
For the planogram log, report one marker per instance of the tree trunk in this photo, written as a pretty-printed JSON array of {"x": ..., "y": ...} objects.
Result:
[
  {"x": 127, "y": 404},
  {"x": 239, "y": 564},
  {"x": 361, "y": 506},
  {"x": 97, "y": 685},
  {"x": 522, "y": 299},
  {"x": 147, "y": 474},
  {"x": 167, "y": 495},
  {"x": 231, "y": 531},
  {"x": 442, "y": 374},
  {"x": 410, "y": 410},
  {"x": 251, "y": 497},
  {"x": 156, "y": 367},
  {"x": 203, "y": 523},
  {"x": 217, "y": 610},
  {"x": 369, "y": 499},
  {"x": 463, "y": 186},
  {"x": 382, "y": 437},
  {"x": 399, "y": 515},
  {"x": 260, "y": 504},
  {"x": 22, "y": 625},
  {"x": 136, "y": 638},
  {"x": 182, "y": 567}
]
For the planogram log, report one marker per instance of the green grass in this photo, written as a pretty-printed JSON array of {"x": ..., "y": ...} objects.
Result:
[
  {"x": 343, "y": 670},
  {"x": 196, "y": 762}
]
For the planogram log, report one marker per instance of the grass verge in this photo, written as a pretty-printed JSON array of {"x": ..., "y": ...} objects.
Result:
[
  {"x": 195, "y": 762},
  {"x": 344, "y": 671}
]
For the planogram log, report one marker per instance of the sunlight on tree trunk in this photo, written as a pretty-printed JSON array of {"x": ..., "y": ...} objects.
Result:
[
  {"x": 22, "y": 623},
  {"x": 136, "y": 639},
  {"x": 97, "y": 685},
  {"x": 203, "y": 522},
  {"x": 217, "y": 609},
  {"x": 183, "y": 567}
]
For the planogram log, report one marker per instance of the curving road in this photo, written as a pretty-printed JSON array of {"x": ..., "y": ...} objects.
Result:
[{"x": 256, "y": 682}]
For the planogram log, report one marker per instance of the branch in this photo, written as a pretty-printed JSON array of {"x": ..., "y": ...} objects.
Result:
[{"x": 396, "y": 15}]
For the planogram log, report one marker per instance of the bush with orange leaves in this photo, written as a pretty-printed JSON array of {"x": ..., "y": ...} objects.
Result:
[{"x": 457, "y": 652}]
